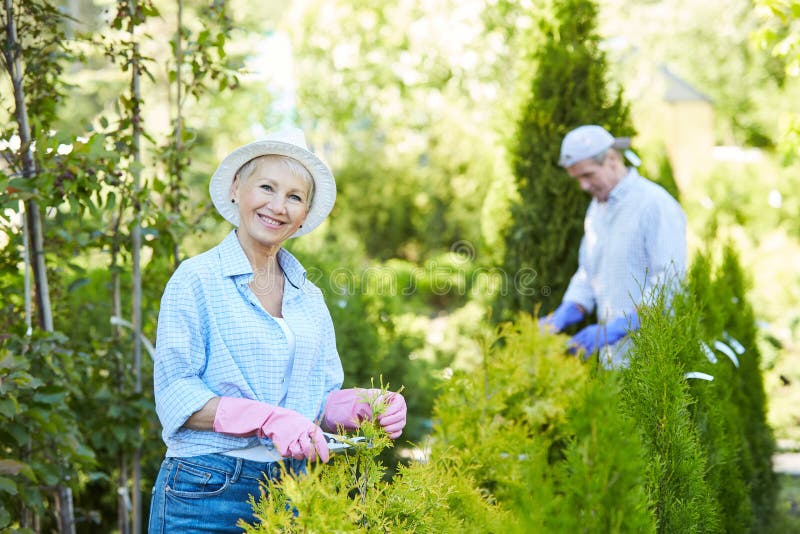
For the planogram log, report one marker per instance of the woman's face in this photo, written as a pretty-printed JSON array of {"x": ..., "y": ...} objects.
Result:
[{"x": 273, "y": 202}]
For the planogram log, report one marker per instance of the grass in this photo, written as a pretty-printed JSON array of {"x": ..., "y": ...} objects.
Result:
[{"x": 788, "y": 520}]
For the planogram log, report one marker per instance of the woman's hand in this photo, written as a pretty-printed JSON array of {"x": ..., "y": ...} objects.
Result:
[{"x": 347, "y": 408}]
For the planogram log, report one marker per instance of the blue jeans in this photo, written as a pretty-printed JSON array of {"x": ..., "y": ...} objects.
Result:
[{"x": 209, "y": 493}]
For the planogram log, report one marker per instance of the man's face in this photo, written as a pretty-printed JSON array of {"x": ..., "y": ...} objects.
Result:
[{"x": 597, "y": 179}]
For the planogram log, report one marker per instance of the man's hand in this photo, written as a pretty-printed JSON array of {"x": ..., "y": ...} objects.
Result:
[
  {"x": 566, "y": 314},
  {"x": 595, "y": 336}
]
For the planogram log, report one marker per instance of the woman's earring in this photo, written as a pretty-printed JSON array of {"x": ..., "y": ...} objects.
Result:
[{"x": 233, "y": 201}]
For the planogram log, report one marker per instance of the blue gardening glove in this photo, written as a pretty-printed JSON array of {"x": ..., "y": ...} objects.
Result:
[
  {"x": 566, "y": 314},
  {"x": 595, "y": 336}
]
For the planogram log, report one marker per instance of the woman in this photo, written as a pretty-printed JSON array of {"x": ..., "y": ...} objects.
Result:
[{"x": 246, "y": 372}]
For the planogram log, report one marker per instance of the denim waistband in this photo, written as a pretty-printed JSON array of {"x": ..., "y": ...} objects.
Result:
[{"x": 239, "y": 467}]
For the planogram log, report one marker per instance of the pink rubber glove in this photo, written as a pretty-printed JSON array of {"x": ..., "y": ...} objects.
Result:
[
  {"x": 292, "y": 434},
  {"x": 347, "y": 408}
]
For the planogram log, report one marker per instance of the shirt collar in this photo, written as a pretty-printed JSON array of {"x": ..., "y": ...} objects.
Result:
[
  {"x": 292, "y": 269},
  {"x": 624, "y": 185},
  {"x": 235, "y": 262}
]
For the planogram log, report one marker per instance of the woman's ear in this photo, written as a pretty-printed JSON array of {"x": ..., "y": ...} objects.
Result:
[{"x": 234, "y": 191}]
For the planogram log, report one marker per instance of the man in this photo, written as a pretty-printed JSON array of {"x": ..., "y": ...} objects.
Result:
[{"x": 634, "y": 244}]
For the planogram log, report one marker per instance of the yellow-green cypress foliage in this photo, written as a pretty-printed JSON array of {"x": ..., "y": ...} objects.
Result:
[
  {"x": 352, "y": 494},
  {"x": 544, "y": 437},
  {"x": 569, "y": 88},
  {"x": 510, "y": 412}
]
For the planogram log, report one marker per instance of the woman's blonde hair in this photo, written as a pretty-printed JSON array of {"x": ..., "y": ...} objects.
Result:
[{"x": 297, "y": 169}]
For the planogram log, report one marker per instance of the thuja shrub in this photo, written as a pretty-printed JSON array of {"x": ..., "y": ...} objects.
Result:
[
  {"x": 657, "y": 396},
  {"x": 541, "y": 432},
  {"x": 716, "y": 413},
  {"x": 513, "y": 406},
  {"x": 351, "y": 494},
  {"x": 533, "y": 440},
  {"x": 730, "y": 412},
  {"x": 570, "y": 87},
  {"x": 730, "y": 288},
  {"x": 601, "y": 481}
]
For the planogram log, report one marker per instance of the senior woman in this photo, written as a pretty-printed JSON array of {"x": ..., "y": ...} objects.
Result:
[{"x": 246, "y": 371}]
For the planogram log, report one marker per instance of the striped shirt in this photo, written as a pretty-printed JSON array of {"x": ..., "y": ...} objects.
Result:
[
  {"x": 215, "y": 339},
  {"x": 633, "y": 245}
]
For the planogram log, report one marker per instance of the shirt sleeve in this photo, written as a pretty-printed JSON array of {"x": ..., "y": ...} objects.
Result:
[
  {"x": 180, "y": 355},
  {"x": 579, "y": 290},
  {"x": 665, "y": 245},
  {"x": 330, "y": 362}
]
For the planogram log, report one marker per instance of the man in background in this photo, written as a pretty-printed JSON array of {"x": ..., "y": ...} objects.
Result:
[{"x": 634, "y": 243}]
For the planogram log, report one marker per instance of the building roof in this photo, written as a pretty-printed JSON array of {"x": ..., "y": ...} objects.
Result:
[{"x": 678, "y": 90}]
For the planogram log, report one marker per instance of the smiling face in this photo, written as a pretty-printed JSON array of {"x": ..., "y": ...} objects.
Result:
[
  {"x": 598, "y": 179},
  {"x": 273, "y": 196}
]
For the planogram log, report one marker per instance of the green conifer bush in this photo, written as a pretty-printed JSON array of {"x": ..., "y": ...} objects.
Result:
[
  {"x": 731, "y": 289},
  {"x": 535, "y": 440},
  {"x": 657, "y": 396},
  {"x": 351, "y": 494},
  {"x": 569, "y": 88},
  {"x": 602, "y": 478},
  {"x": 716, "y": 414},
  {"x": 542, "y": 433}
]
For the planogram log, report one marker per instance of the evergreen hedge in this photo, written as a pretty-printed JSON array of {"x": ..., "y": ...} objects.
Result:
[{"x": 534, "y": 440}]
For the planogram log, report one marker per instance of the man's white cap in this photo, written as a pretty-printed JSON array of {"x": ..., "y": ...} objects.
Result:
[{"x": 587, "y": 141}]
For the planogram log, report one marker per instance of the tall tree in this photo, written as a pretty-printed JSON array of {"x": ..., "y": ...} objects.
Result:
[
  {"x": 29, "y": 61},
  {"x": 570, "y": 88}
]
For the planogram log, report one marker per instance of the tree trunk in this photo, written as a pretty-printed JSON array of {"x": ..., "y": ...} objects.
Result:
[
  {"x": 33, "y": 218},
  {"x": 136, "y": 246},
  {"x": 176, "y": 180},
  {"x": 64, "y": 511},
  {"x": 34, "y": 231}
]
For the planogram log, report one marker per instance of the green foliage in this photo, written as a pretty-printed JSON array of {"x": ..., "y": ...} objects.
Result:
[
  {"x": 558, "y": 445},
  {"x": 41, "y": 441},
  {"x": 94, "y": 181},
  {"x": 351, "y": 495},
  {"x": 658, "y": 169},
  {"x": 535, "y": 429},
  {"x": 709, "y": 442},
  {"x": 656, "y": 395},
  {"x": 751, "y": 397},
  {"x": 569, "y": 89},
  {"x": 716, "y": 410},
  {"x": 402, "y": 112}
]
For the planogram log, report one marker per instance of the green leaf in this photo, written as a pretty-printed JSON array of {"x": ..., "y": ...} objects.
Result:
[
  {"x": 11, "y": 467},
  {"x": 149, "y": 10},
  {"x": 19, "y": 432},
  {"x": 8, "y": 486},
  {"x": 50, "y": 395},
  {"x": 8, "y": 408}
]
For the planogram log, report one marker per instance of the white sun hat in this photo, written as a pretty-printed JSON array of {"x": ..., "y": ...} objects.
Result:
[
  {"x": 587, "y": 141},
  {"x": 289, "y": 142}
]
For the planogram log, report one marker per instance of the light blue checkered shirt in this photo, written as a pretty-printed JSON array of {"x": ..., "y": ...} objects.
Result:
[
  {"x": 633, "y": 244},
  {"x": 215, "y": 339}
]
